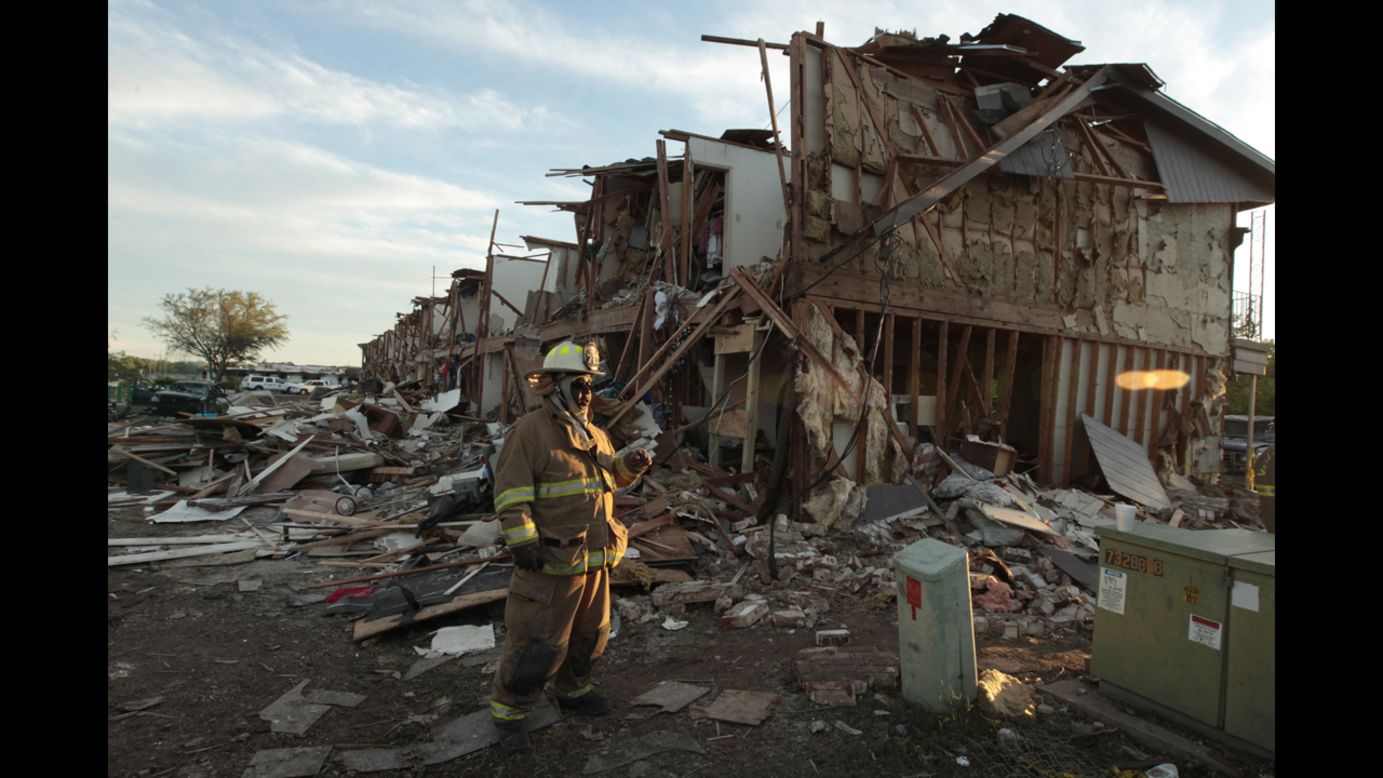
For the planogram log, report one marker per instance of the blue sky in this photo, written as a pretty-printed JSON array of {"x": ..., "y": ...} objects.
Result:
[{"x": 328, "y": 154}]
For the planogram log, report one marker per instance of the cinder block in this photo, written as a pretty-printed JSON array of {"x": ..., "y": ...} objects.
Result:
[
  {"x": 832, "y": 637},
  {"x": 831, "y": 693},
  {"x": 789, "y": 618},
  {"x": 877, "y": 669},
  {"x": 746, "y": 614}
]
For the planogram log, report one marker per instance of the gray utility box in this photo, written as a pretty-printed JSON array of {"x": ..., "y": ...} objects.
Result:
[
  {"x": 936, "y": 635},
  {"x": 1185, "y": 627}
]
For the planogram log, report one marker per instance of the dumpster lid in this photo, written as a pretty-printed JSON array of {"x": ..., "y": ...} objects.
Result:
[
  {"x": 1211, "y": 545},
  {"x": 1264, "y": 562},
  {"x": 930, "y": 559}
]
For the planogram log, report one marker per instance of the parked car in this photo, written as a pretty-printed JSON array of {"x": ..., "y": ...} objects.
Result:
[
  {"x": 1234, "y": 445},
  {"x": 142, "y": 395},
  {"x": 190, "y": 397},
  {"x": 271, "y": 383},
  {"x": 307, "y": 387}
]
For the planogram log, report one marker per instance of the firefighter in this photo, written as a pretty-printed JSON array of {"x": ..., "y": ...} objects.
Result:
[{"x": 554, "y": 495}]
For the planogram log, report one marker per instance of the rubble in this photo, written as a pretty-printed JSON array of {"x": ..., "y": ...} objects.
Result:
[
  {"x": 1006, "y": 696},
  {"x": 793, "y": 453}
]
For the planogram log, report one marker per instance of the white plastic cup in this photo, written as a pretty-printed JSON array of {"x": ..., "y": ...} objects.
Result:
[{"x": 1123, "y": 517}]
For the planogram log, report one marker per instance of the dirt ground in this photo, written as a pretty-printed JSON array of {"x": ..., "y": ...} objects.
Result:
[{"x": 192, "y": 660}]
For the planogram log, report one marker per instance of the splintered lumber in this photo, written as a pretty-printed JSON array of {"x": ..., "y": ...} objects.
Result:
[
  {"x": 987, "y": 159},
  {"x": 411, "y": 571},
  {"x": 180, "y": 553},
  {"x": 367, "y": 629},
  {"x": 784, "y": 323},
  {"x": 254, "y": 482},
  {"x": 127, "y": 453},
  {"x": 662, "y": 370}
]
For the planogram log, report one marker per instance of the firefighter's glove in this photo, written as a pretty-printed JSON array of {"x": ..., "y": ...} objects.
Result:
[
  {"x": 526, "y": 557},
  {"x": 639, "y": 460}
]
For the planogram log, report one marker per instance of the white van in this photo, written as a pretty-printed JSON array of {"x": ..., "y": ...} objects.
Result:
[{"x": 271, "y": 383}]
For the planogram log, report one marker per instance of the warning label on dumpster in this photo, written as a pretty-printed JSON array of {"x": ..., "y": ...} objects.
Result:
[
  {"x": 1113, "y": 587},
  {"x": 1205, "y": 632}
]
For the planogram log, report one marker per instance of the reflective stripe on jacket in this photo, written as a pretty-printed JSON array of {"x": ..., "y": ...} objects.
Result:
[{"x": 553, "y": 488}]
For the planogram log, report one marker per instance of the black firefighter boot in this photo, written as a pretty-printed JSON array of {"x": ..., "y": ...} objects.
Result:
[
  {"x": 588, "y": 704},
  {"x": 513, "y": 739}
]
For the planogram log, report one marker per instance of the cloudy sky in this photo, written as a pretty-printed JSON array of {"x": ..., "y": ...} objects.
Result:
[{"x": 329, "y": 154}]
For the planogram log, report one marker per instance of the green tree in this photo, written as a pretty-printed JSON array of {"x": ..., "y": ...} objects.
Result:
[
  {"x": 1237, "y": 394},
  {"x": 222, "y": 326},
  {"x": 123, "y": 368}
]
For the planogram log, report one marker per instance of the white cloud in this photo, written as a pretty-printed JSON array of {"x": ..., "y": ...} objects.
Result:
[
  {"x": 720, "y": 82},
  {"x": 289, "y": 197},
  {"x": 1230, "y": 83},
  {"x": 160, "y": 74}
]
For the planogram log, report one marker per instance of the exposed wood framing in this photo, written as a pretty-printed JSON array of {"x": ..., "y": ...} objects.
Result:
[
  {"x": 1090, "y": 375},
  {"x": 688, "y": 195},
  {"x": 933, "y": 232},
  {"x": 1110, "y": 371},
  {"x": 887, "y": 377},
  {"x": 1144, "y": 362},
  {"x": 962, "y": 355},
  {"x": 1050, "y": 348},
  {"x": 987, "y": 385},
  {"x": 1073, "y": 384},
  {"x": 926, "y": 132},
  {"x": 1125, "y": 396},
  {"x": 1158, "y": 396},
  {"x": 942, "y": 333},
  {"x": 777, "y": 137},
  {"x": 660, "y": 256},
  {"x": 1010, "y": 367},
  {"x": 635, "y": 391},
  {"x": 915, "y": 377}
]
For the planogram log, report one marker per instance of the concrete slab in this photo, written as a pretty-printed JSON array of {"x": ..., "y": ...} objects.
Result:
[{"x": 1090, "y": 702}]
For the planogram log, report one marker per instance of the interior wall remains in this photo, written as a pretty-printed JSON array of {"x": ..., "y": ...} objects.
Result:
[{"x": 754, "y": 210}]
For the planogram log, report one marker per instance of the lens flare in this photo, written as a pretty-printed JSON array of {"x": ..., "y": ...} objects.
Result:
[{"x": 1134, "y": 380}]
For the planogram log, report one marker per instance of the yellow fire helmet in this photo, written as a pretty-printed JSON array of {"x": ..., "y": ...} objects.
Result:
[{"x": 570, "y": 357}]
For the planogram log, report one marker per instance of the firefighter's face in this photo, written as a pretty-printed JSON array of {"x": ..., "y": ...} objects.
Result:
[{"x": 581, "y": 392}]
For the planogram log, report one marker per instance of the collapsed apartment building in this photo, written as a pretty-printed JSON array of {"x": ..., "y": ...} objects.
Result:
[{"x": 944, "y": 243}]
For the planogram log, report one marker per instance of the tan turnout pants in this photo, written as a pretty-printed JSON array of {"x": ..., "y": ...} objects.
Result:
[{"x": 557, "y": 627}]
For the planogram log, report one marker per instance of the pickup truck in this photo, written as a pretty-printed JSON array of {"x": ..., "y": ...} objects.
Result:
[
  {"x": 307, "y": 387},
  {"x": 268, "y": 383},
  {"x": 189, "y": 397}
]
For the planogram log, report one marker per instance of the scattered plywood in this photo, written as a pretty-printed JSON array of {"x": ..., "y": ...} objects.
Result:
[
  {"x": 668, "y": 543},
  {"x": 294, "y": 712},
  {"x": 180, "y": 553},
  {"x": 371, "y": 760},
  {"x": 630, "y": 751},
  {"x": 288, "y": 474},
  {"x": 475, "y": 731},
  {"x": 1081, "y": 571},
  {"x": 1125, "y": 465},
  {"x": 369, "y": 628},
  {"x": 287, "y": 762},
  {"x": 182, "y": 512},
  {"x": 738, "y": 707},
  {"x": 1015, "y": 518},
  {"x": 670, "y": 696},
  {"x": 345, "y": 462}
]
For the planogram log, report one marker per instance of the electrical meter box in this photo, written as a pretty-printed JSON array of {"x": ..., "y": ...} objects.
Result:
[
  {"x": 936, "y": 631},
  {"x": 1184, "y": 626}
]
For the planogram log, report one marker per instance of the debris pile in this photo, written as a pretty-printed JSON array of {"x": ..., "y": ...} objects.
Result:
[{"x": 392, "y": 492}]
